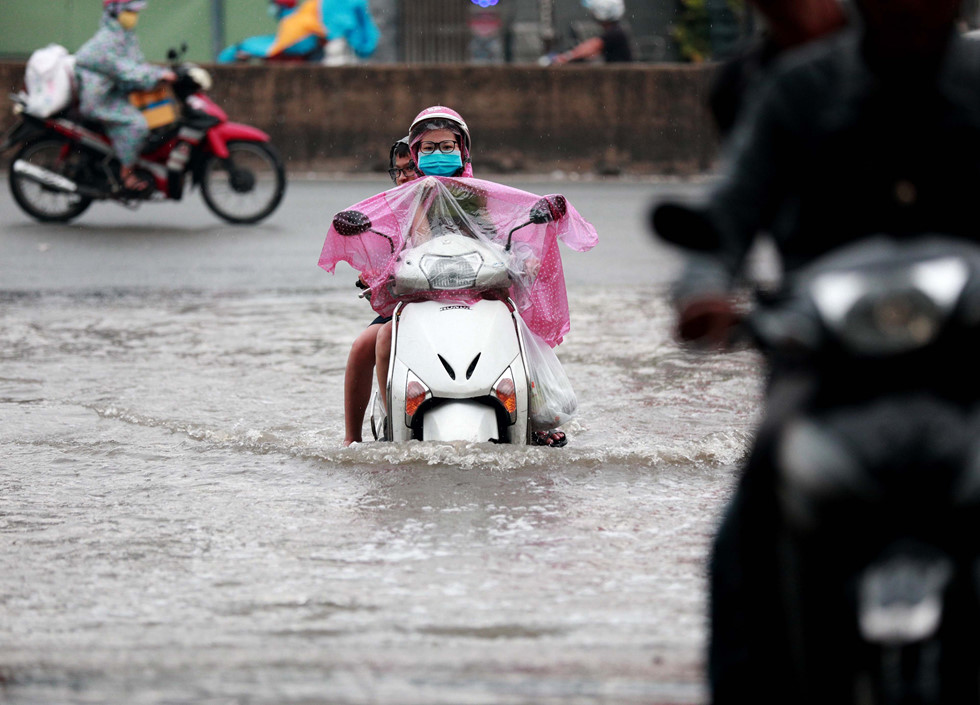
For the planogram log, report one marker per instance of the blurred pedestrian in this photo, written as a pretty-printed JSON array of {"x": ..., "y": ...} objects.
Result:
[
  {"x": 110, "y": 66},
  {"x": 613, "y": 44},
  {"x": 874, "y": 130},
  {"x": 789, "y": 24}
]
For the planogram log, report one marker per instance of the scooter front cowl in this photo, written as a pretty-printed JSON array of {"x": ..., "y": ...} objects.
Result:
[{"x": 447, "y": 355}]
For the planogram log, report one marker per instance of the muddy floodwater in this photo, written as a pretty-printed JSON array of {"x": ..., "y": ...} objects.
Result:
[{"x": 180, "y": 524}]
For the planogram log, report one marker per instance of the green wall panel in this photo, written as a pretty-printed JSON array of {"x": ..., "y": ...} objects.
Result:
[{"x": 26, "y": 25}]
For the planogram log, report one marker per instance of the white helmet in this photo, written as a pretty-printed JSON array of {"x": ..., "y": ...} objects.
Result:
[{"x": 605, "y": 10}]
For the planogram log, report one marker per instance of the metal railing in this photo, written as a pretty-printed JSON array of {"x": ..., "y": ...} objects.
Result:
[{"x": 435, "y": 31}]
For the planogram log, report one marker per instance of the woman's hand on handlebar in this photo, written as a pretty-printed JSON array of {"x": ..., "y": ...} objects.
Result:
[
  {"x": 168, "y": 76},
  {"x": 708, "y": 322}
]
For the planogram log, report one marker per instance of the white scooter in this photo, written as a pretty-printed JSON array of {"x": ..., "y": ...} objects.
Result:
[{"x": 458, "y": 370}]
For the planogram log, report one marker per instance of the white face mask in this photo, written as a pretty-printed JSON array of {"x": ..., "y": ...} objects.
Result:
[{"x": 128, "y": 19}]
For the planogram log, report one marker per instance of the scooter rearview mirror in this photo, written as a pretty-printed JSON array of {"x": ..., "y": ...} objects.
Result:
[
  {"x": 548, "y": 209},
  {"x": 351, "y": 223}
]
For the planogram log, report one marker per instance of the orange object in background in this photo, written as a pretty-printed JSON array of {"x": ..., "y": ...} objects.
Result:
[
  {"x": 307, "y": 20},
  {"x": 158, "y": 106}
]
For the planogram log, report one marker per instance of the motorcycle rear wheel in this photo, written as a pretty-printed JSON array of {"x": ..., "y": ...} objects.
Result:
[
  {"x": 41, "y": 202},
  {"x": 248, "y": 186}
]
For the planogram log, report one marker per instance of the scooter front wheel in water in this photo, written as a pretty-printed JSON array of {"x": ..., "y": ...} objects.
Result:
[
  {"x": 42, "y": 201},
  {"x": 247, "y": 186}
]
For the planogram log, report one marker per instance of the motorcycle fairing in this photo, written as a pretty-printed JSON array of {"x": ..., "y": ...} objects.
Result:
[
  {"x": 200, "y": 105},
  {"x": 461, "y": 367},
  {"x": 21, "y": 132},
  {"x": 88, "y": 138},
  {"x": 405, "y": 217}
]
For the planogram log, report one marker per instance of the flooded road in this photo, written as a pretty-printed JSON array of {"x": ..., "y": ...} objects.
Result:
[{"x": 181, "y": 525}]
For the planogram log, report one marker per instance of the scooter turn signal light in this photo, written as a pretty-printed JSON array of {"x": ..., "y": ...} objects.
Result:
[
  {"x": 415, "y": 394},
  {"x": 506, "y": 394}
]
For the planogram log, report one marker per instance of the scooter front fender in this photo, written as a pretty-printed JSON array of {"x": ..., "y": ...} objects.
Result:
[
  {"x": 460, "y": 421},
  {"x": 219, "y": 136}
]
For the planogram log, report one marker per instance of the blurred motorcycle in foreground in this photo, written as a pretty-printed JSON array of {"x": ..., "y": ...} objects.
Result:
[
  {"x": 878, "y": 472},
  {"x": 867, "y": 471},
  {"x": 64, "y": 162}
]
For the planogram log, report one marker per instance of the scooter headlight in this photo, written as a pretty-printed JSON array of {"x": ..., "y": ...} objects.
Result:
[
  {"x": 415, "y": 395},
  {"x": 447, "y": 272},
  {"x": 894, "y": 314},
  {"x": 505, "y": 391}
]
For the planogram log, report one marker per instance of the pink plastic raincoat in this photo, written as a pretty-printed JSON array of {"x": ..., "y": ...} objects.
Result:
[{"x": 409, "y": 215}]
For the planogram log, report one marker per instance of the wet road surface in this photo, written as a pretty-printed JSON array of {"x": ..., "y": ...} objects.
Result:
[{"x": 181, "y": 524}]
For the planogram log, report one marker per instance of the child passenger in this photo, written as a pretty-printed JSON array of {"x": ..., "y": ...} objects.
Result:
[{"x": 360, "y": 363}]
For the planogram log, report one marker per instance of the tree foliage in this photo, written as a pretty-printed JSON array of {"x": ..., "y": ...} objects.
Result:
[{"x": 703, "y": 25}]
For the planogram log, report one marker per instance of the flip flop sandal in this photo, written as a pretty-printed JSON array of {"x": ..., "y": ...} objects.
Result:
[
  {"x": 136, "y": 185},
  {"x": 552, "y": 439}
]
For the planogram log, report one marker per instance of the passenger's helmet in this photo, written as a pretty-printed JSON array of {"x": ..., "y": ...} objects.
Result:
[
  {"x": 117, "y": 6},
  {"x": 440, "y": 113},
  {"x": 605, "y": 10},
  {"x": 284, "y": 4}
]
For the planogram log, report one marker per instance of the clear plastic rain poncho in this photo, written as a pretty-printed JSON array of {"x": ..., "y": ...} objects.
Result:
[{"x": 516, "y": 231}]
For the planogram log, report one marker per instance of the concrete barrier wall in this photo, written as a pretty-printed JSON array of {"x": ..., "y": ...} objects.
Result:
[{"x": 648, "y": 119}]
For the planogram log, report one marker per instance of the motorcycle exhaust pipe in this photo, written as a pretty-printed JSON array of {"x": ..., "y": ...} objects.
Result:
[{"x": 45, "y": 177}]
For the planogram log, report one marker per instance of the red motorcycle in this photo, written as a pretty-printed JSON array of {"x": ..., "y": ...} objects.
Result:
[{"x": 65, "y": 162}]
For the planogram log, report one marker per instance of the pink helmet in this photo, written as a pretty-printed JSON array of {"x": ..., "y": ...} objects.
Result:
[{"x": 441, "y": 112}]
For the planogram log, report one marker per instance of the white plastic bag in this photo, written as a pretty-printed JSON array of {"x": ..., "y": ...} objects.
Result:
[
  {"x": 553, "y": 401},
  {"x": 50, "y": 81}
]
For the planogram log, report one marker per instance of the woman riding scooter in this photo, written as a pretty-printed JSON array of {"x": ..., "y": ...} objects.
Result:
[
  {"x": 108, "y": 67},
  {"x": 445, "y": 125}
]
